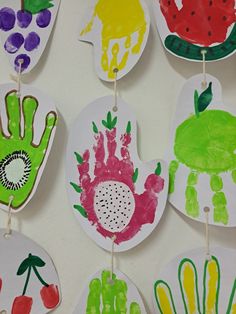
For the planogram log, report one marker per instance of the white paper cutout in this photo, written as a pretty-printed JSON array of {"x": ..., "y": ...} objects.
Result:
[
  {"x": 38, "y": 298},
  {"x": 119, "y": 31},
  {"x": 189, "y": 270},
  {"x": 202, "y": 157},
  {"x": 97, "y": 177},
  {"x": 182, "y": 34},
  {"x": 122, "y": 296},
  {"x": 25, "y": 142},
  {"x": 24, "y": 35}
]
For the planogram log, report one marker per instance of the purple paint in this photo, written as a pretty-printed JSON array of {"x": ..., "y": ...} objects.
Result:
[
  {"x": 25, "y": 64},
  {"x": 32, "y": 41},
  {"x": 7, "y": 19},
  {"x": 14, "y": 42},
  {"x": 44, "y": 18},
  {"x": 24, "y": 18}
]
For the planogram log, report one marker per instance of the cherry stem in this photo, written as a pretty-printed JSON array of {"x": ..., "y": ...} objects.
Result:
[
  {"x": 39, "y": 277},
  {"x": 27, "y": 281},
  {"x": 22, "y": 5}
]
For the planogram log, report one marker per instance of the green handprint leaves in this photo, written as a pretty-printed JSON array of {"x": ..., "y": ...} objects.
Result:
[
  {"x": 105, "y": 296},
  {"x": 191, "y": 284},
  {"x": 24, "y": 144}
]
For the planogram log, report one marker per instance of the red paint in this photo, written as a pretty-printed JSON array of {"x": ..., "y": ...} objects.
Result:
[
  {"x": 121, "y": 170},
  {"x": 0, "y": 284},
  {"x": 50, "y": 296},
  {"x": 203, "y": 22},
  {"x": 22, "y": 305}
]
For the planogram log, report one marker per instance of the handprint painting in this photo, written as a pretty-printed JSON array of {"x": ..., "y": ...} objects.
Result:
[
  {"x": 183, "y": 35},
  {"x": 118, "y": 29},
  {"x": 191, "y": 284},
  {"x": 104, "y": 294},
  {"x": 27, "y": 130},
  {"x": 202, "y": 154},
  {"x": 29, "y": 282},
  {"x": 25, "y": 27},
  {"x": 113, "y": 193}
]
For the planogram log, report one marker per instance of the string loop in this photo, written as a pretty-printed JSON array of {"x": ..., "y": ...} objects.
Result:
[
  {"x": 9, "y": 216},
  {"x": 112, "y": 260},
  {"x": 204, "y": 82},
  {"x": 115, "y": 107},
  {"x": 208, "y": 255}
]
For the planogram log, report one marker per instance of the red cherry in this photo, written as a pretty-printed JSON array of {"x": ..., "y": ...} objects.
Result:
[
  {"x": 0, "y": 284},
  {"x": 22, "y": 304},
  {"x": 50, "y": 296}
]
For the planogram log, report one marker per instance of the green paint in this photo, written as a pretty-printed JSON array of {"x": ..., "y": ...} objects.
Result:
[
  {"x": 95, "y": 129},
  {"x": 81, "y": 210},
  {"x": 173, "y": 167},
  {"x": 220, "y": 210},
  {"x": 192, "y": 205},
  {"x": 135, "y": 175},
  {"x": 192, "y": 178},
  {"x": 205, "y": 98},
  {"x": 182, "y": 263},
  {"x": 196, "y": 97},
  {"x": 76, "y": 187},
  {"x": 187, "y": 50},
  {"x": 128, "y": 128},
  {"x": 79, "y": 158},
  {"x": 158, "y": 169},
  {"x": 35, "y": 6},
  {"x": 110, "y": 123},
  {"x": 107, "y": 298},
  {"x": 17, "y": 144},
  {"x": 205, "y": 286},
  {"x": 216, "y": 183},
  {"x": 163, "y": 283},
  {"x": 231, "y": 299}
]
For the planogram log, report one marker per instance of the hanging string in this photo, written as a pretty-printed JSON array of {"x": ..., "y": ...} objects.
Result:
[
  {"x": 115, "y": 108},
  {"x": 112, "y": 259},
  {"x": 208, "y": 255},
  {"x": 204, "y": 82},
  {"x": 8, "y": 228},
  {"x": 20, "y": 62}
]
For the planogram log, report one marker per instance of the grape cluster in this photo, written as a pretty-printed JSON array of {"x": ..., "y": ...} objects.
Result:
[{"x": 9, "y": 18}]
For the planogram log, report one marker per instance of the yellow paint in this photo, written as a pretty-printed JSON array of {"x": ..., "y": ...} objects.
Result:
[
  {"x": 213, "y": 277},
  {"x": 120, "y": 20},
  {"x": 233, "y": 310},
  {"x": 189, "y": 284},
  {"x": 164, "y": 299}
]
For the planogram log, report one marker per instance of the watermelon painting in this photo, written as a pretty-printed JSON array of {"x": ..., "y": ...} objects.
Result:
[{"x": 189, "y": 27}]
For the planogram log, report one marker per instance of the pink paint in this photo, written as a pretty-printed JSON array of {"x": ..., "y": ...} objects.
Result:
[
  {"x": 118, "y": 170},
  {"x": 203, "y": 22}
]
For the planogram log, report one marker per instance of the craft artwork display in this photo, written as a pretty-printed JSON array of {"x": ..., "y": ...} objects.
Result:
[
  {"x": 112, "y": 192},
  {"x": 118, "y": 31},
  {"x": 201, "y": 154},
  {"x": 183, "y": 35},
  {"x": 29, "y": 283},
  {"x": 106, "y": 294},
  {"x": 191, "y": 284},
  {"x": 27, "y": 130},
  {"x": 25, "y": 27}
]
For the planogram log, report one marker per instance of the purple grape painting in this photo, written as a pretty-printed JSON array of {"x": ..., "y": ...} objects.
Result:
[{"x": 25, "y": 26}]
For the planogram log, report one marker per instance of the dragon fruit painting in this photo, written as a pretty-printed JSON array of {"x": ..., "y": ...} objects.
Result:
[
  {"x": 25, "y": 27},
  {"x": 113, "y": 194},
  {"x": 188, "y": 27}
]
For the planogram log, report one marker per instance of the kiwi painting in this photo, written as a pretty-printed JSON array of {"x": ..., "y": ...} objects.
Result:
[
  {"x": 27, "y": 128},
  {"x": 182, "y": 34},
  {"x": 201, "y": 155},
  {"x": 25, "y": 27},
  {"x": 118, "y": 31},
  {"x": 115, "y": 196}
]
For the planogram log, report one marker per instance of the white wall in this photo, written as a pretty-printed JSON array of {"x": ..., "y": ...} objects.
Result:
[{"x": 66, "y": 73}]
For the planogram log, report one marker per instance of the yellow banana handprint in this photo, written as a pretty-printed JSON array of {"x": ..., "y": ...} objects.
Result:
[
  {"x": 119, "y": 30},
  {"x": 213, "y": 280}
]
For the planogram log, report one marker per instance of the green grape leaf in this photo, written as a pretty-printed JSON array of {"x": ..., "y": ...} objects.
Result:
[
  {"x": 30, "y": 261},
  {"x": 35, "y": 6},
  {"x": 196, "y": 97},
  {"x": 205, "y": 98},
  {"x": 81, "y": 210},
  {"x": 135, "y": 175},
  {"x": 79, "y": 158},
  {"x": 128, "y": 128},
  {"x": 114, "y": 121},
  {"x": 76, "y": 187},
  {"x": 95, "y": 129},
  {"x": 110, "y": 123},
  {"x": 158, "y": 169}
]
